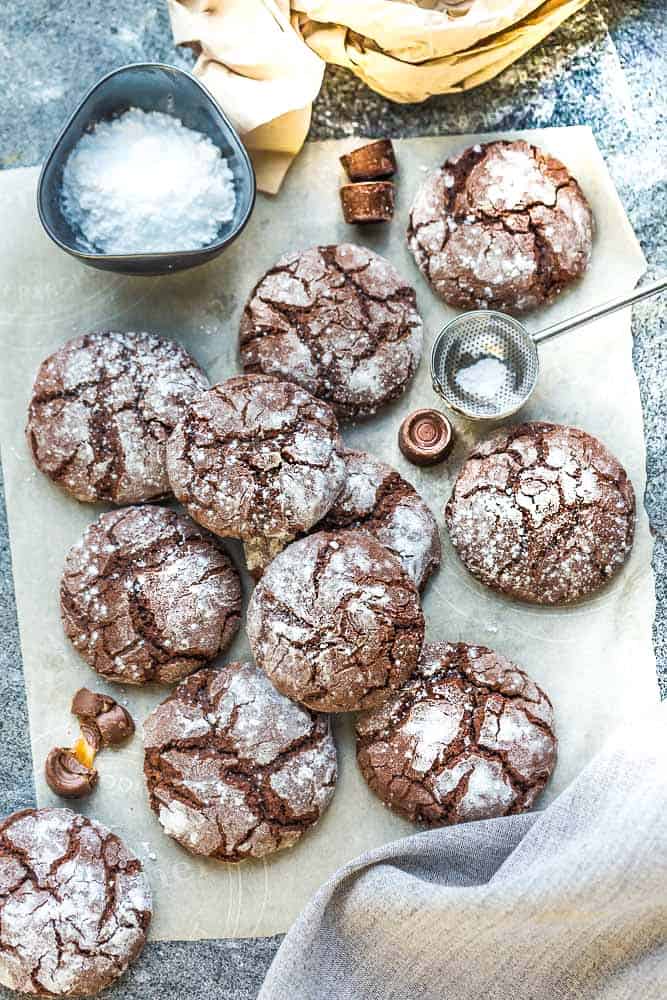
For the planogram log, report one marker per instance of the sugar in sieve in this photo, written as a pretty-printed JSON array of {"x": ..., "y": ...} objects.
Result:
[{"x": 485, "y": 364}]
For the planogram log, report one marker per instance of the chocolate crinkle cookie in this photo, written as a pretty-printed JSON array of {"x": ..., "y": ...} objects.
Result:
[
  {"x": 336, "y": 621},
  {"x": 338, "y": 320},
  {"x": 147, "y": 595},
  {"x": 102, "y": 409},
  {"x": 376, "y": 498},
  {"x": 74, "y": 904},
  {"x": 542, "y": 512},
  {"x": 257, "y": 459},
  {"x": 501, "y": 226},
  {"x": 469, "y": 737},
  {"x": 234, "y": 769}
]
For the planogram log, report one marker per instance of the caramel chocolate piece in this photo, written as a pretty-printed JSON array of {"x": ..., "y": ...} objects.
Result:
[
  {"x": 370, "y": 202},
  {"x": 90, "y": 739},
  {"x": 115, "y": 725},
  {"x": 103, "y": 721},
  {"x": 371, "y": 162},
  {"x": 87, "y": 704},
  {"x": 84, "y": 750},
  {"x": 425, "y": 437},
  {"x": 67, "y": 776}
]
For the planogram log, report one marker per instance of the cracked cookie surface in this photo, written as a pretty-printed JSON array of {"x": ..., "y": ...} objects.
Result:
[
  {"x": 542, "y": 512},
  {"x": 257, "y": 459},
  {"x": 102, "y": 408},
  {"x": 501, "y": 226},
  {"x": 336, "y": 621},
  {"x": 74, "y": 904},
  {"x": 234, "y": 769},
  {"x": 338, "y": 320},
  {"x": 147, "y": 595},
  {"x": 376, "y": 498},
  {"x": 469, "y": 737}
]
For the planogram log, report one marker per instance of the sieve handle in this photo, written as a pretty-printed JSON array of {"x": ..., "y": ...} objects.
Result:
[{"x": 644, "y": 292}]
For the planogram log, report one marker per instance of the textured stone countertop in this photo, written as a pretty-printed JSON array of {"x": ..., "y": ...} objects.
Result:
[{"x": 606, "y": 67}]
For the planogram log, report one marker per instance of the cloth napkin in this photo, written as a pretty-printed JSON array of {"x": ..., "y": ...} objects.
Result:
[
  {"x": 263, "y": 60},
  {"x": 565, "y": 904}
]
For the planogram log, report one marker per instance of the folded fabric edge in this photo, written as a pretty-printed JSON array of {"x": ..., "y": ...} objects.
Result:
[{"x": 489, "y": 844}]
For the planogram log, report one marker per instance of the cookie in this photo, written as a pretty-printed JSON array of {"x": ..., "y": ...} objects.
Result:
[
  {"x": 375, "y": 498},
  {"x": 469, "y": 737},
  {"x": 501, "y": 226},
  {"x": 339, "y": 321},
  {"x": 146, "y": 595},
  {"x": 74, "y": 904},
  {"x": 257, "y": 459},
  {"x": 234, "y": 769},
  {"x": 102, "y": 409},
  {"x": 336, "y": 622},
  {"x": 542, "y": 512}
]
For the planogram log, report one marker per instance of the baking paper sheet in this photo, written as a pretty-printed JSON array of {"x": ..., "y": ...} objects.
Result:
[{"x": 596, "y": 660}]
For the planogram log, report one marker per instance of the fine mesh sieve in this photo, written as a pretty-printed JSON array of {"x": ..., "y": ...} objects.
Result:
[
  {"x": 470, "y": 338},
  {"x": 507, "y": 352}
]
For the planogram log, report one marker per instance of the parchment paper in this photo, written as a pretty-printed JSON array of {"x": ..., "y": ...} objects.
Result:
[{"x": 595, "y": 660}]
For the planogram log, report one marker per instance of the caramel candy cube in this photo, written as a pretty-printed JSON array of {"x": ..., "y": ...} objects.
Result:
[
  {"x": 372, "y": 162},
  {"x": 370, "y": 202}
]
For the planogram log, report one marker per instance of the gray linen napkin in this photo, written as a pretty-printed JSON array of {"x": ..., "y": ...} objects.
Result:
[{"x": 570, "y": 902}]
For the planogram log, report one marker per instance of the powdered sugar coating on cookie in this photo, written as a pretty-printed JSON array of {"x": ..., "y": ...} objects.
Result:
[
  {"x": 500, "y": 226},
  {"x": 102, "y": 409},
  {"x": 147, "y": 595},
  {"x": 336, "y": 622},
  {"x": 74, "y": 904},
  {"x": 257, "y": 459},
  {"x": 543, "y": 513},
  {"x": 469, "y": 737},
  {"x": 234, "y": 769},
  {"x": 340, "y": 321},
  {"x": 375, "y": 498}
]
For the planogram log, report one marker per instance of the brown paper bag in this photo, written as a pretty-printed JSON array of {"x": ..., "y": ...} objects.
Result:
[
  {"x": 263, "y": 60},
  {"x": 408, "y": 51}
]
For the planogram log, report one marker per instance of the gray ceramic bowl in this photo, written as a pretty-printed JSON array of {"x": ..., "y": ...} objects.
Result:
[{"x": 151, "y": 87}]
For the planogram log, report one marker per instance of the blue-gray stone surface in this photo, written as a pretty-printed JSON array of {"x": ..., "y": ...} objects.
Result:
[{"x": 606, "y": 67}]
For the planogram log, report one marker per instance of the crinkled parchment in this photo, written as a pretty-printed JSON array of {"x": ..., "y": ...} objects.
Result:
[
  {"x": 263, "y": 60},
  {"x": 595, "y": 660}
]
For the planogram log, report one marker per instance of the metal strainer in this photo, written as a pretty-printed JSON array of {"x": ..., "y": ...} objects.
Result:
[{"x": 484, "y": 334}]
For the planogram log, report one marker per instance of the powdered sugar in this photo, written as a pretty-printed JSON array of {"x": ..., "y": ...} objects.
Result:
[
  {"x": 484, "y": 378},
  {"x": 144, "y": 183},
  {"x": 488, "y": 791},
  {"x": 306, "y": 784},
  {"x": 262, "y": 723},
  {"x": 432, "y": 726}
]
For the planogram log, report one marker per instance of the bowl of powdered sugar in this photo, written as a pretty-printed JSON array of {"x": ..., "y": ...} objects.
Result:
[{"x": 148, "y": 176}]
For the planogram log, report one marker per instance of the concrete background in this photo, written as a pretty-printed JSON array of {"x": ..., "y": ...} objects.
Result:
[{"x": 606, "y": 67}]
